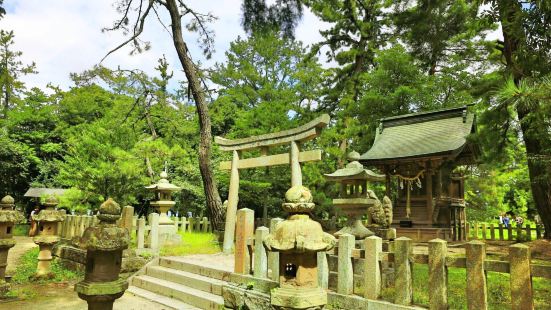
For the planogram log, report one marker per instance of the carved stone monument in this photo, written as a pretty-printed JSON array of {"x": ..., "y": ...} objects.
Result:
[
  {"x": 8, "y": 217},
  {"x": 298, "y": 239},
  {"x": 47, "y": 220},
  {"x": 168, "y": 233},
  {"x": 355, "y": 198},
  {"x": 104, "y": 244}
]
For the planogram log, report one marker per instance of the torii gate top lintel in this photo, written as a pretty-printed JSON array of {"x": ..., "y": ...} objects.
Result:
[{"x": 299, "y": 134}]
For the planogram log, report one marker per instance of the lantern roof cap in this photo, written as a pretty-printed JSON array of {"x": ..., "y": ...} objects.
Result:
[{"x": 163, "y": 184}]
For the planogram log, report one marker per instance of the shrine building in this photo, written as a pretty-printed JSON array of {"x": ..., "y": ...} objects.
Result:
[{"x": 423, "y": 157}]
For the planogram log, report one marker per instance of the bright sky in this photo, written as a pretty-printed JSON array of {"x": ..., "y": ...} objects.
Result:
[{"x": 64, "y": 36}]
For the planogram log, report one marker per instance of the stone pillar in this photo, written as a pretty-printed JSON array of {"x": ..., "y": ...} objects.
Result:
[
  {"x": 8, "y": 218},
  {"x": 104, "y": 244},
  {"x": 296, "y": 173},
  {"x": 141, "y": 233},
  {"x": 438, "y": 275},
  {"x": 476, "y": 276},
  {"x": 345, "y": 274},
  {"x": 521, "y": 280},
  {"x": 244, "y": 231},
  {"x": 183, "y": 224},
  {"x": 273, "y": 257},
  {"x": 126, "y": 218},
  {"x": 402, "y": 271},
  {"x": 323, "y": 270},
  {"x": 205, "y": 227},
  {"x": 260, "y": 258},
  {"x": 233, "y": 198},
  {"x": 154, "y": 231},
  {"x": 47, "y": 220},
  {"x": 373, "y": 246}
]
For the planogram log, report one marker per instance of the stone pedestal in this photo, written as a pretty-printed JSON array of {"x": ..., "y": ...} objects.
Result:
[
  {"x": 298, "y": 239},
  {"x": 47, "y": 220},
  {"x": 8, "y": 218},
  {"x": 104, "y": 244}
]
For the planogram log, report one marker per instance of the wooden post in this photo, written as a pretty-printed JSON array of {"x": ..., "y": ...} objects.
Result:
[
  {"x": 260, "y": 258},
  {"x": 403, "y": 281},
  {"x": 430, "y": 207},
  {"x": 519, "y": 232},
  {"x": 467, "y": 231},
  {"x": 231, "y": 210},
  {"x": 528, "y": 232},
  {"x": 510, "y": 232},
  {"x": 244, "y": 231},
  {"x": 521, "y": 281},
  {"x": 475, "y": 230},
  {"x": 492, "y": 232},
  {"x": 484, "y": 231},
  {"x": 438, "y": 275},
  {"x": 296, "y": 173},
  {"x": 191, "y": 222},
  {"x": 538, "y": 231},
  {"x": 372, "y": 269},
  {"x": 476, "y": 276},
  {"x": 140, "y": 236},
  {"x": 345, "y": 274},
  {"x": 501, "y": 237},
  {"x": 273, "y": 257}
]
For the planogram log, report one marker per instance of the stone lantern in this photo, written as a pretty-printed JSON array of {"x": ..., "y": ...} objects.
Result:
[
  {"x": 163, "y": 192},
  {"x": 8, "y": 217},
  {"x": 104, "y": 244},
  {"x": 48, "y": 219},
  {"x": 298, "y": 239},
  {"x": 355, "y": 198}
]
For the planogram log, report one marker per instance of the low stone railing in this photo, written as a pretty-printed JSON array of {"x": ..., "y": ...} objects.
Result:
[{"x": 351, "y": 271}]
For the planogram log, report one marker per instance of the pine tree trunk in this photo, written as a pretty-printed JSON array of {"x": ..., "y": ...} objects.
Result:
[{"x": 214, "y": 203}]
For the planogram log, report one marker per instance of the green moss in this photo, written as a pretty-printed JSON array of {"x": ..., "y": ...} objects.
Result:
[
  {"x": 193, "y": 243},
  {"x": 27, "y": 267}
]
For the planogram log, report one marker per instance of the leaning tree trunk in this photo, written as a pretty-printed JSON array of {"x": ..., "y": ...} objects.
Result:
[{"x": 214, "y": 203}]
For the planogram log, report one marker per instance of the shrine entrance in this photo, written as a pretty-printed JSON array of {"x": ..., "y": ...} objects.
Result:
[{"x": 292, "y": 137}]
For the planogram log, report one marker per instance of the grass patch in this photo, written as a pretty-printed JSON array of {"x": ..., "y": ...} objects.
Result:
[
  {"x": 27, "y": 268},
  {"x": 499, "y": 294},
  {"x": 193, "y": 243},
  {"x": 21, "y": 229}
]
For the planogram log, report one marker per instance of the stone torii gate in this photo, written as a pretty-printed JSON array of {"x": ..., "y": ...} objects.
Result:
[{"x": 294, "y": 137}]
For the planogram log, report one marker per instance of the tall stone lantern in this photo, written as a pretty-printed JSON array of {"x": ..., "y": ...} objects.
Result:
[
  {"x": 47, "y": 237},
  {"x": 104, "y": 244},
  {"x": 298, "y": 239},
  {"x": 355, "y": 198},
  {"x": 8, "y": 218},
  {"x": 163, "y": 192}
]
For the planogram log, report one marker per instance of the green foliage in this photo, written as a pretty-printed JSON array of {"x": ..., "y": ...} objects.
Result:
[{"x": 26, "y": 268}]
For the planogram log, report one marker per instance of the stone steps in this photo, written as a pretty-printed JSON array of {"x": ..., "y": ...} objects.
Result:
[
  {"x": 167, "y": 302},
  {"x": 180, "y": 284},
  {"x": 186, "y": 294}
]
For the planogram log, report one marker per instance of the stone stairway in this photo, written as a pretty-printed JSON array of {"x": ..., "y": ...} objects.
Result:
[{"x": 177, "y": 283}]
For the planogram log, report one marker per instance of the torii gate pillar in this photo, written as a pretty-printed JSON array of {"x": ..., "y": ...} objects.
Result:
[{"x": 292, "y": 137}]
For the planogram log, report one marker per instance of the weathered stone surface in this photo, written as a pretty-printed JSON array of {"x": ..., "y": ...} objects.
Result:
[
  {"x": 244, "y": 231},
  {"x": 101, "y": 288},
  {"x": 438, "y": 275},
  {"x": 273, "y": 257},
  {"x": 298, "y": 298},
  {"x": 372, "y": 273},
  {"x": 238, "y": 297},
  {"x": 323, "y": 270},
  {"x": 345, "y": 279},
  {"x": 260, "y": 257},
  {"x": 231, "y": 210},
  {"x": 476, "y": 276},
  {"x": 521, "y": 282},
  {"x": 403, "y": 269}
]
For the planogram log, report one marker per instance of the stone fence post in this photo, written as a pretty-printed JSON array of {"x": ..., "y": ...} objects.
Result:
[
  {"x": 154, "y": 232},
  {"x": 260, "y": 257},
  {"x": 476, "y": 275},
  {"x": 372, "y": 269},
  {"x": 345, "y": 273},
  {"x": 403, "y": 281},
  {"x": 521, "y": 281},
  {"x": 140, "y": 236},
  {"x": 244, "y": 231},
  {"x": 183, "y": 223},
  {"x": 205, "y": 224},
  {"x": 273, "y": 257},
  {"x": 438, "y": 275}
]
